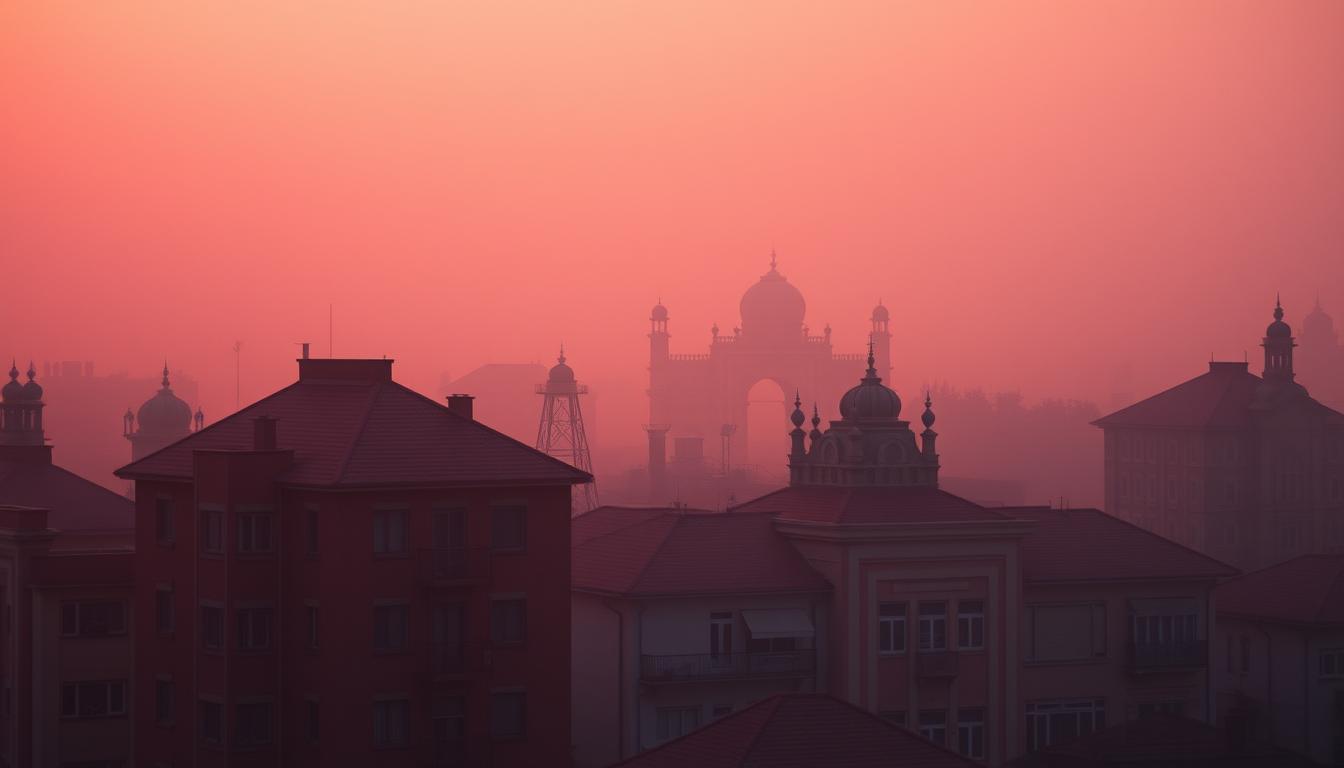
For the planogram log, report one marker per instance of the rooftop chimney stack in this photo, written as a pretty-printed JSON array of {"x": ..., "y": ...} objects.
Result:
[
  {"x": 305, "y": 350},
  {"x": 263, "y": 433},
  {"x": 461, "y": 405}
]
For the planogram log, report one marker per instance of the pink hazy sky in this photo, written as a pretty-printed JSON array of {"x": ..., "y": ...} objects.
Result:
[{"x": 1043, "y": 193}]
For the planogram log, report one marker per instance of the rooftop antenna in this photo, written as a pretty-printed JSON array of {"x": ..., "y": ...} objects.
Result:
[
  {"x": 305, "y": 346},
  {"x": 237, "y": 374}
]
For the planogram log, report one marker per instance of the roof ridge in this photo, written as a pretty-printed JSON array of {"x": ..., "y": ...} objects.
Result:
[
  {"x": 773, "y": 701},
  {"x": 644, "y": 567},
  {"x": 1234, "y": 571},
  {"x": 97, "y": 486},
  {"x": 620, "y": 529},
  {"x": 1172, "y": 388},
  {"x": 374, "y": 392}
]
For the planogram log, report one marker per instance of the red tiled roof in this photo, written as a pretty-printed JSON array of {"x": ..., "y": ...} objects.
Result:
[
  {"x": 684, "y": 552},
  {"x": 1304, "y": 590},
  {"x": 73, "y": 502},
  {"x": 1090, "y": 545},
  {"x": 799, "y": 730},
  {"x": 353, "y": 432},
  {"x": 839, "y": 505}
]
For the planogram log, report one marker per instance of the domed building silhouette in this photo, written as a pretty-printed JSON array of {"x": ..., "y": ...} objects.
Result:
[
  {"x": 161, "y": 420},
  {"x": 694, "y": 397}
]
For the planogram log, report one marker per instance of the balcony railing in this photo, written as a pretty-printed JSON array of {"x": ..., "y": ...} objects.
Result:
[
  {"x": 1149, "y": 657},
  {"x": 936, "y": 663},
  {"x": 711, "y": 666}
]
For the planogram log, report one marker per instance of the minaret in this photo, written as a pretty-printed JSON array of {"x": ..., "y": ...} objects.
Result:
[
  {"x": 658, "y": 335},
  {"x": 1278, "y": 344},
  {"x": 561, "y": 433},
  {"x": 880, "y": 336}
]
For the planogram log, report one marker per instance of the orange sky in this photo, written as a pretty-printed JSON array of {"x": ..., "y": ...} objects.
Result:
[{"x": 1042, "y": 192}]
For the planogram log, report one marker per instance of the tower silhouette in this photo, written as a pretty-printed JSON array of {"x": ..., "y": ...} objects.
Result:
[{"x": 560, "y": 433}]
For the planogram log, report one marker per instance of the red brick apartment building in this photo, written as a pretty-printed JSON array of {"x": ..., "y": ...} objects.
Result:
[{"x": 349, "y": 573}]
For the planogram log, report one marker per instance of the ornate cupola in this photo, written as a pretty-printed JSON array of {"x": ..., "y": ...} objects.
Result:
[
  {"x": 1278, "y": 344},
  {"x": 869, "y": 445},
  {"x": 21, "y": 409},
  {"x": 163, "y": 419}
]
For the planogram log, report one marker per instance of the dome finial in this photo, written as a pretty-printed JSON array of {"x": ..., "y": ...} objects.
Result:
[
  {"x": 32, "y": 371},
  {"x": 928, "y": 417},
  {"x": 561, "y": 358},
  {"x": 14, "y": 369},
  {"x": 165, "y": 373},
  {"x": 797, "y": 416},
  {"x": 872, "y": 362},
  {"x": 1278, "y": 307},
  {"x": 772, "y": 258}
]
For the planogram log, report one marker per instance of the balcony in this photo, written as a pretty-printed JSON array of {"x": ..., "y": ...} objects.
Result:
[
  {"x": 727, "y": 666},
  {"x": 1172, "y": 655},
  {"x": 936, "y": 664}
]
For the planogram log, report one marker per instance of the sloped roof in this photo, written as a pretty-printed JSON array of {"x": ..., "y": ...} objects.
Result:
[
  {"x": 356, "y": 432},
  {"x": 1304, "y": 590},
  {"x": 866, "y": 505},
  {"x": 666, "y": 552},
  {"x": 799, "y": 730},
  {"x": 1090, "y": 545},
  {"x": 73, "y": 503}
]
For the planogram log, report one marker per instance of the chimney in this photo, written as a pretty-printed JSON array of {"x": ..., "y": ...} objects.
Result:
[
  {"x": 461, "y": 405},
  {"x": 263, "y": 433},
  {"x": 305, "y": 350}
]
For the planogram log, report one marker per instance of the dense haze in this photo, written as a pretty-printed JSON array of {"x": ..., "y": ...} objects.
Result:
[{"x": 1065, "y": 199}]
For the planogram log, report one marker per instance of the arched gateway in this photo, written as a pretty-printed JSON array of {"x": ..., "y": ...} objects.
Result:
[{"x": 705, "y": 395}]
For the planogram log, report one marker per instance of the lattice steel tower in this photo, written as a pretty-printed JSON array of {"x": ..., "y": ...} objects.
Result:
[{"x": 561, "y": 431}]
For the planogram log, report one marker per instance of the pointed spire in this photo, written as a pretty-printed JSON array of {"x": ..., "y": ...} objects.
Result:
[
  {"x": 13, "y": 369},
  {"x": 165, "y": 374},
  {"x": 928, "y": 417},
  {"x": 797, "y": 416},
  {"x": 1278, "y": 307},
  {"x": 561, "y": 358},
  {"x": 772, "y": 259},
  {"x": 32, "y": 371},
  {"x": 872, "y": 362}
]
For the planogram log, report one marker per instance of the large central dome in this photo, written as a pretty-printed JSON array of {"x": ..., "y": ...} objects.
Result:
[{"x": 772, "y": 308}]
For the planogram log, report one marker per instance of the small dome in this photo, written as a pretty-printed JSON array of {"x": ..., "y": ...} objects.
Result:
[
  {"x": 928, "y": 417},
  {"x": 880, "y": 313},
  {"x": 164, "y": 413},
  {"x": 772, "y": 307},
  {"x": 1278, "y": 329},
  {"x": 659, "y": 312},
  {"x": 32, "y": 390},
  {"x": 1318, "y": 323},
  {"x": 13, "y": 390},
  {"x": 561, "y": 373},
  {"x": 870, "y": 399}
]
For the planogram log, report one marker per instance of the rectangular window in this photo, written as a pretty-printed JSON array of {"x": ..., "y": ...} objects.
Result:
[
  {"x": 390, "y": 627},
  {"x": 93, "y": 619},
  {"x": 508, "y": 715},
  {"x": 212, "y": 531},
  {"x": 1332, "y": 663},
  {"x": 891, "y": 628},
  {"x": 314, "y": 721},
  {"x": 254, "y": 628},
  {"x": 721, "y": 637},
  {"x": 212, "y": 627},
  {"x": 674, "y": 722},
  {"x": 164, "y": 529},
  {"x": 971, "y": 733},
  {"x": 1066, "y": 632},
  {"x": 212, "y": 722},
  {"x": 254, "y": 533},
  {"x": 508, "y": 622},
  {"x": 932, "y": 626},
  {"x": 448, "y": 719},
  {"x": 163, "y": 702},
  {"x": 253, "y": 724},
  {"x": 99, "y": 698},
  {"x": 508, "y": 527},
  {"x": 933, "y": 725},
  {"x": 311, "y": 613},
  {"x": 310, "y": 532},
  {"x": 1060, "y": 721},
  {"x": 165, "y": 618},
  {"x": 389, "y": 531},
  {"x": 391, "y": 723},
  {"x": 971, "y": 624}
]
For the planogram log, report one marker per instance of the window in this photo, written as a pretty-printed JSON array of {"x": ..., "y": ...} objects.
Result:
[
  {"x": 1060, "y": 721},
  {"x": 932, "y": 626},
  {"x": 1066, "y": 632},
  {"x": 253, "y": 724},
  {"x": 163, "y": 702},
  {"x": 508, "y": 715},
  {"x": 389, "y": 531},
  {"x": 971, "y": 624},
  {"x": 1165, "y": 629},
  {"x": 971, "y": 733},
  {"x": 164, "y": 529},
  {"x": 1332, "y": 662},
  {"x": 933, "y": 725},
  {"x": 310, "y": 610},
  {"x": 310, "y": 532},
  {"x": 721, "y": 637},
  {"x": 389, "y": 627},
  {"x": 674, "y": 722},
  {"x": 212, "y": 627},
  {"x": 448, "y": 719},
  {"x": 314, "y": 721},
  {"x": 93, "y": 619},
  {"x": 99, "y": 698},
  {"x": 212, "y": 722},
  {"x": 254, "y": 628},
  {"x": 212, "y": 531},
  {"x": 508, "y": 527},
  {"x": 254, "y": 533},
  {"x": 891, "y": 628},
  {"x": 390, "y": 723},
  {"x": 508, "y": 622},
  {"x": 165, "y": 618}
]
